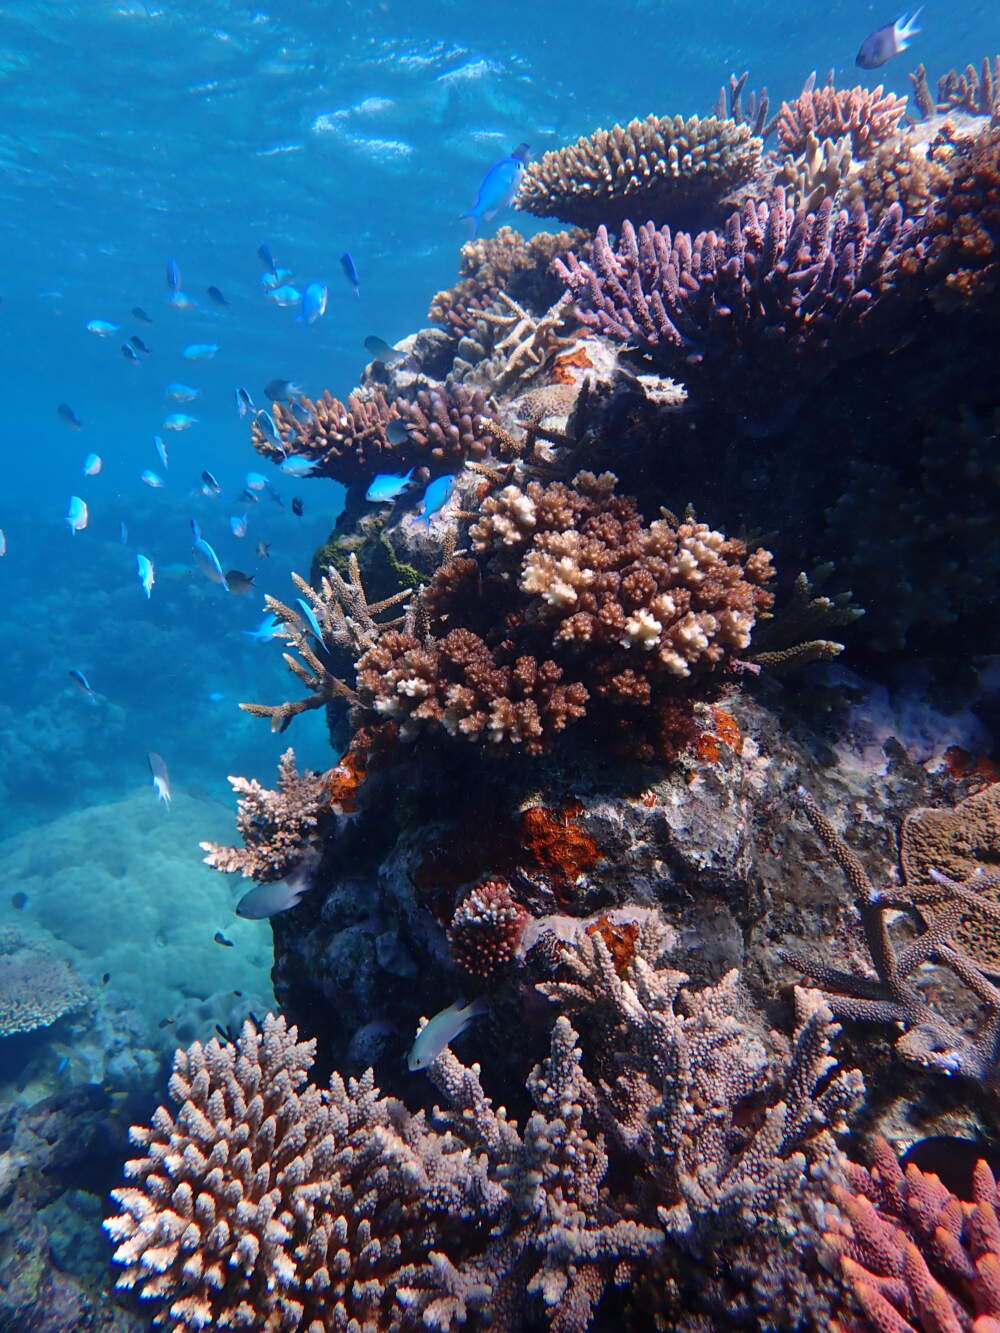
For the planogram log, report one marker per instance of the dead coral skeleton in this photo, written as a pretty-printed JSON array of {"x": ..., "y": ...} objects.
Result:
[
  {"x": 892, "y": 995},
  {"x": 346, "y": 620}
]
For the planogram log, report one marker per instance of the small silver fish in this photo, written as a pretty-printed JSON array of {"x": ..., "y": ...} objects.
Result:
[
  {"x": 161, "y": 778},
  {"x": 92, "y": 465},
  {"x": 77, "y": 515},
  {"x": 266, "y": 900},
  {"x": 880, "y": 46},
  {"x": 199, "y": 351},
  {"x": 146, "y": 572},
  {"x": 102, "y": 327},
  {"x": 440, "y": 1031},
  {"x": 151, "y": 478},
  {"x": 238, "y": 524}
]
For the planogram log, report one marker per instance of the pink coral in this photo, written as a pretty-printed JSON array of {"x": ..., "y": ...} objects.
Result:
[{"x": 486, "y": 928}]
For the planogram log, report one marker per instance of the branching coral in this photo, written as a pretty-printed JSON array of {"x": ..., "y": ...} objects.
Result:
[
  {"x": 341, "y": 613},
  {"x": 509, "y": 345},
  {"x": 347, "y": 441},
  {"x": 36, "y": 987},
  {"x": 589, "y": 604},
  {"x": 912, "y": 1255},
  {"x": 824, "y": 169},
  {"x": 486, "y": 928},
  {"x": 893, "y": 994},
  {"x": 905, "y": 173},
  {"x": 656, "y": 168},
  {"x": 729, "y": 104},
  {"x": 278, "y": 827},
  {"x": 972, "y": 91},
  {"x": 445, "y": 426},
  {"x": 506, "y": 263},
  {"x": 774, "y": 284},
  {"x": 869, "y": 116}
]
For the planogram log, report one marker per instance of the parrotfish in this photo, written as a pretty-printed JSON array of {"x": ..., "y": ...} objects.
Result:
[
  {"x": 238, "y": 524},
  {"x": 146, "y": 572},
  {"x": 268, "y": 629},
  {"x": 92, "y": 464},
  {"x": 313, "y": 303},
  {"x": 265, "y": 900},
  {"x": 216, "y": 296},
  {"x": 498, "y": 187},
  {"x": 161, "y": 450},
  {"x": 350, "y": 272},
  {"x": 298, "y": 466},
  {"x": 130, "y": 354},
  {"x": 285, "y": 295},
  {"x": 200, "y": 351},
  {"x": 880, "y": 46},
  {"x": 66, "y": 413},
  {"x": 388, "y": 486},
  {"x": 380, "y": 350},
  {"x": 211, "y": 486},
  {"x": 151, "y": 479},
  {"x": 244, "y": 403},
  {"x": 102, "y": 327},
  {"x": 77, "y": 514},
  {"x": 81, "y": 681},
  {"x": 181, "y": 393},
  {"x": 208, "y": 562},
  {"x": 173, "y": 275},
  {"x": 179, "y": 421},
  {"x": 436, "y": 496},
  {"x": 239, "y": 583},
  {"x": 139, "y": 345},
  {"x": 439, "y": 1032},
  {"x": 161, "y": 778},
  {"x": 140, "y": 314}
]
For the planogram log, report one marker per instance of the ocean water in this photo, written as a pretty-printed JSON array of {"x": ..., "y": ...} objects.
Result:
[{"x": 134, "y": 133}]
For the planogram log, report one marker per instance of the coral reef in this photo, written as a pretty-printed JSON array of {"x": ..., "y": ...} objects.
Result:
[
  {"x": 729, "y": 105},
  {"x": 977, "y": 92},
  {"x": 486, "y": 929},
  {"x": 912, "y": 1254},
  {"x": 906, "y": 173},
  {"x": 36, "y": 987},
  {"x": 347, "y": 441},
  {"x": 869, "y": 116},
  {"x": 509, "y": 346},
  {"x": 658, "y": 168},
  {"x": 823, "y": 169}
]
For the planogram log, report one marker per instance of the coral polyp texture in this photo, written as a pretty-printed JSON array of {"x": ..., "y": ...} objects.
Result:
[
  {"x": 658, "y": 168},
  {"x": 36, "y": 987},
  {"x": 868, "y": 116},
  {"x": 594, "y": 611},
  {"x": 486, "y": 928},
  {"x": 913, "y": 1255},
  {"x": 346, "y": 441},
  {"x": 774, "y": 286}
]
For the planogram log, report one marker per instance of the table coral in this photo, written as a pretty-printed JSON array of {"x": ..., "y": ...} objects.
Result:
[
  {"x": 661, "y": 167},
  {"x": 36, "y": 987},
  {"x": 869, "y": 116}
]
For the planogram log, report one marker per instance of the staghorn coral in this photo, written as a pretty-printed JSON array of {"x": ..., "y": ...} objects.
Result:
[
  {"x": 824, "y": 169},
  {"x": 592, "y": 606},
  {"x": 729, "y": 105},
  {"x": 972, "y": 91},
  {"x": 869, "y": 116},
  {"x": 660, "y": 167},
  {"x": 486, "y": 929},
  {"x": 36, "y": 987},
  {"x": 278, "y": 827},
  {"x": 507, "y": 263},
  {"x": 911, "y": 1254},
  {"x": 346, "y": 441},
  {"x": 894, "y": 995},
  {"x": 518, "y": 345},
  {"x": 346, "y": 620},
  {"x": 789, "y": 639}
]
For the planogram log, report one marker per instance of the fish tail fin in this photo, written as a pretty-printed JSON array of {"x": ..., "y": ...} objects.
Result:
[
  {"x": 905, "y": 28},
  {"x": 473, "y": 219}
]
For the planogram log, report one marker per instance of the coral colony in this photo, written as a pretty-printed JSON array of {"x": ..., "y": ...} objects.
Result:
[{"x": 721, "y": 974}]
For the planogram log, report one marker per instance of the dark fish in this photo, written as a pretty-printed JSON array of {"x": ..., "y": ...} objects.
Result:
[
  {"x": 211, "y": 483},
  {"x": 224, "y": 1035},
  {"x": 130, "y": 354},
  {"x": 173, "y": 275},
  {"x": 351, "y": 273},
  {"x": 952, "y": 1160},
  {"x": 217, "y": 296},
  {"x": 281, "y": 391},
  {"x": 239, "y": 583},
  {"x": 380, "y": 350},
  {"x": 165, "y": 1022},
  {"x": 140, "y": 314},
  {"x": 139, "y": 345},
  {"x": 297, "y": 506},
  {"x": 266, "y": 258},
  {"x": 221, "y": 939},
  {"x": 105, "y": 978},
  {"x": 19, "y": 901},
  {"x": 880, "y": 46},
  {"x": 69, "y": 416}
]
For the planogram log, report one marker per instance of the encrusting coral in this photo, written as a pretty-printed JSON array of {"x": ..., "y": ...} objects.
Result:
[
  {"x": 869, "y": 116},
  {"x": 658, "y": 168},
  {"x": 912, "y": 1255},
  {"x": 594, "y": 610},
  {"x": 269, "y": 1202}
]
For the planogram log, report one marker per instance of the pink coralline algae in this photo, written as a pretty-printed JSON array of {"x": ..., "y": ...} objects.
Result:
[
  {"x": 773, "y": 281},
  {"x": 486, "y": 929}
]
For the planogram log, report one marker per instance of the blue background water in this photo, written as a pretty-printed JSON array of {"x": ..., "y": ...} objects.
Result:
[{"x": 133, "y": 132}]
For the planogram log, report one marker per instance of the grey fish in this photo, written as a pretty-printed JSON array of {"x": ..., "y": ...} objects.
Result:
[
  {"x": 266, "y": 900},
  {"x": 880, "y": 46}
]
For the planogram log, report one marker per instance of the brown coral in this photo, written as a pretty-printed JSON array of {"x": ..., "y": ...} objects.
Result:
[
  {"x": 36, "y": 987},
  {"x": 869, "y": 116},
  {"x": 972, "y": 91},
  {"x": 904, "y": 173},
  {"x": 445, "y": 427},
  {"x": 486, "y": 929},
  {"x": 912, "y": 1255},
  {"x": 346, "y": 441},
  {"x": 659, "y": 168}
]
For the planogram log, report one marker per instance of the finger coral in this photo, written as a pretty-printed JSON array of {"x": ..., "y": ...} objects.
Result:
[
  {"x": 658, "y": 168},
  {"x": 598, "y": 607},
  {"x": 912, "y": 1255},
  {"x": 869, "y": 116}
]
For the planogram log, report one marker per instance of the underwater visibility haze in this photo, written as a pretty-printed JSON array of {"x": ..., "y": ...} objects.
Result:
[{"x": 500, "y": 806}]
